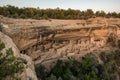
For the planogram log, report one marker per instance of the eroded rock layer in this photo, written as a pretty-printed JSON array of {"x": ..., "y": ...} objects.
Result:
[
  {"x": 46, "y": 41},
  {"x": 28, "y": 72}
]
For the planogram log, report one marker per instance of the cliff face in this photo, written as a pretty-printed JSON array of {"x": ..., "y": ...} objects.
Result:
[
  {"x": 47, "y": 41},
  {"x": 29, "y": 71}
]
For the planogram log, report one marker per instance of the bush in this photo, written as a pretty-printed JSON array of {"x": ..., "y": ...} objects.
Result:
[
  {"x": 86, "y": 69},
  {"x": 9, "y": 64},
  {"x": 111, "y": 64}
]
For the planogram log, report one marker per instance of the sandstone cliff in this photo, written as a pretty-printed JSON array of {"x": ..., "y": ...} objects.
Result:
[
  {"x": 29, "y": 71},
  {"x": 47, "y": 41}
]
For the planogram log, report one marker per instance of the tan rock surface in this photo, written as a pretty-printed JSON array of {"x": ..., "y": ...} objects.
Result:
[
  {"x": 29, "y": 71},
  {"x": 47, "y": 41}
]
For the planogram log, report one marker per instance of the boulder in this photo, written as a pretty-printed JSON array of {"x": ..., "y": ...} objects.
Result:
[{"x": 29, "y": 71}]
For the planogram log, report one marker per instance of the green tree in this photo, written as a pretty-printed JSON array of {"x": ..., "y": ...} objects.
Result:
[
  {"x": 89, "y": 13},
  {"x": 9, "y": 64},
  {"x": 37, "y": 13}
]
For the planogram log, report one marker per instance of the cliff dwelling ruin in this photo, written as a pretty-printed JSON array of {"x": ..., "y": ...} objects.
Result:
[{"x": 46, "y": 41}]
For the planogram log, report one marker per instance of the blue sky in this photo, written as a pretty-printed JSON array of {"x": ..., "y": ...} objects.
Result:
[{"x": 106, "y": 5}]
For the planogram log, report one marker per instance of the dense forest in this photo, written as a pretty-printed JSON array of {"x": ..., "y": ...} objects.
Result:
[
  {"x": 37, "y": 13},
  {"x": 87, "y": 68}
]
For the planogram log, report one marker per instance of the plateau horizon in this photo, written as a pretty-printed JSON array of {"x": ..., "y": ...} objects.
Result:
[{"x": 95, "y": 5}]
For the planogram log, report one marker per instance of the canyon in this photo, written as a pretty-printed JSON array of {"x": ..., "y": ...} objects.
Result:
[{"x": 46, "y": 41}]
